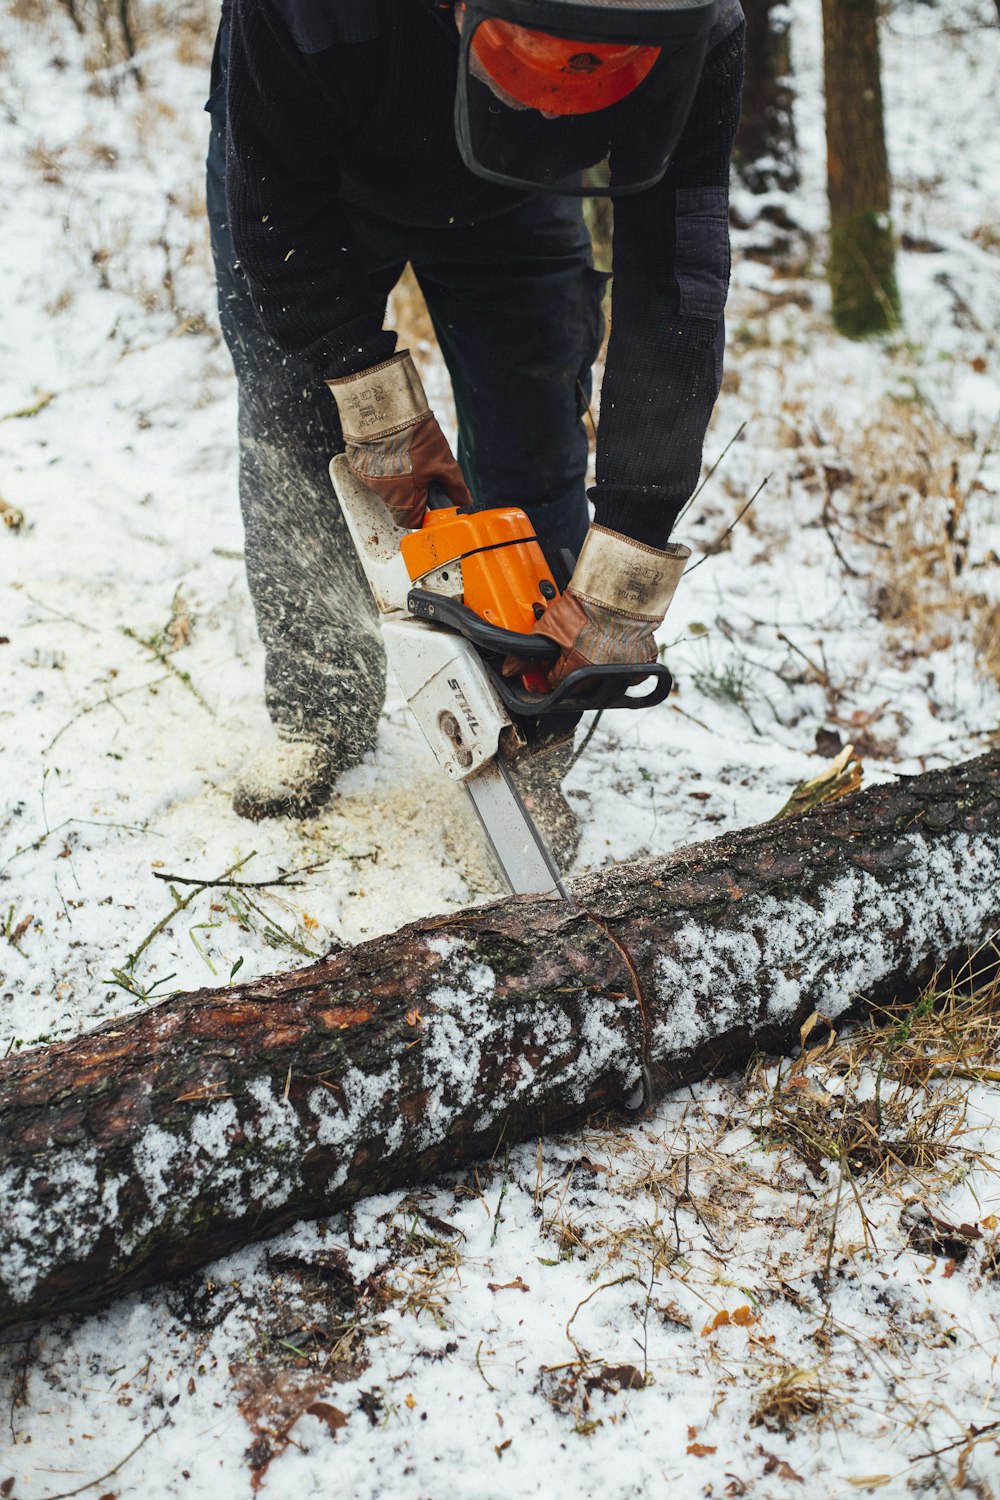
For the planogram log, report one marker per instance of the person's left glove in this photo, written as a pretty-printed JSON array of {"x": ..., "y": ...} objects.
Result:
[
  {"x": 619, "y": 593},
  {"x": 392, "y": 440}
]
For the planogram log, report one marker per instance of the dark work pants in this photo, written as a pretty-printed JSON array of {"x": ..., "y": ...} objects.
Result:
[{"x": 516, "y": 307}]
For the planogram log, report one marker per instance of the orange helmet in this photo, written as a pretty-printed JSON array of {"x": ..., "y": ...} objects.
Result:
[
  {"x": 555, "y": 74},
  {"x": 554, "y": 93}
]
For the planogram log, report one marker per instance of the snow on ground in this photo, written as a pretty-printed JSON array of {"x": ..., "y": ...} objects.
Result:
[{"x": 557, "y": 1319}]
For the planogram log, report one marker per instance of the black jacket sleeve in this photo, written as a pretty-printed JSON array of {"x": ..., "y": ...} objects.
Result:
[
  {"x": 282, "y": 181},
  {"x": 671, "y": 278}
]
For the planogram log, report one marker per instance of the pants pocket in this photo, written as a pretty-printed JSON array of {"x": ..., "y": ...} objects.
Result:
[{"x": 702, "y": 261}]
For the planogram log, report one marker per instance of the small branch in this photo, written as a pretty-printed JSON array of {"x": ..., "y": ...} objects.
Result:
[
  {"x": 157, "y": 650},
  {"x": 714, "y": 546},
  {"x": 973, "y": 1436},
  {"x": 734, "y": 439},
  {"x": 242, "y": 885},
  {"x": 828, "y": 510},
  {"x": 44, "y": 397},
  {"x": 181, "y": 902},
  {"x": 822, "y": 676},
  {"x": 604, "y": 1286},
  {"x": 65, "y": 1494},
  {"x": 108, "y": 701}
]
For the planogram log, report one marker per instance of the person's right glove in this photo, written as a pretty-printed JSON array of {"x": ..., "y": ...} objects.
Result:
[
  {"x": 619, "y": 593},
  {"x": 393, "y": 441}
]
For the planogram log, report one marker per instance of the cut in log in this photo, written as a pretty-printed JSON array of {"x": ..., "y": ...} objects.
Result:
[{"x": 156, "y": 1143}]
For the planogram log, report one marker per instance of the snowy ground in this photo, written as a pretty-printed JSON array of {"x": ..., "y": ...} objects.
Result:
[{"x": 554, "y": 1320}]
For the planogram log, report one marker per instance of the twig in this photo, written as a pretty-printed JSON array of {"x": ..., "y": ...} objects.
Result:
[
  {"x": 685, "y": 715},
  {"x": 57, "y": 612},
  {"x": 479, "y": 1366},
  {"x": 242, "y": 885},
  {"x": 65, "y": 1494},
  {"x": 734, "y": 439},
  {"x": 714, "y": 546},
  {"x": 586, "y": 740},
  {"x": 181, "y": 903},
  {"x": 161, "y": 656},
  {"x": 975, "y": 1433},
  {"x": 42, "y": 401},
  {"x": 851, "y": 572},
  {"x": 823, "y": 677},
  {"x": 604, "y": 1286},
  {"x": 107, "y": 701}
]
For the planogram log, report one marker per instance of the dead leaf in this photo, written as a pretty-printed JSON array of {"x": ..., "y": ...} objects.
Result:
[
  {"x": 775, "y": 1465},
  {"x": 990, "y": 1222},
  {"x": 410, "y": 1401},
  {"x": 13, "y": 519},
  {"x": 701, "y": 1450},
  {"x": 517, "y": 1285},
  {"x": 15, "y": 937},
  {"x": 828, "y": 743},
  {"x": 501, "y": 1448},
  {"x": 334, "y": 1418},
  {"x": 871, "y": 1481},
  {"x": 949, "y": 1269},
  {"x": 614, "y": 1378}
]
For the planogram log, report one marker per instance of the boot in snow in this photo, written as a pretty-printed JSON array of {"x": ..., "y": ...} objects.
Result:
[{"x": 292, "y": 778}]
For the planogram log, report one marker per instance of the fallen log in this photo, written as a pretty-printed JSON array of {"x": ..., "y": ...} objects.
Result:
[{"x": 153, "y": 1144}]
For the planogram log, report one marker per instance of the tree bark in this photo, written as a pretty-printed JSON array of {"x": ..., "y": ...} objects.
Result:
[
  {"x": 862, "y": 263},
  {"x": 765, "y": 154},
  {"x": 153, "y": 1144}
]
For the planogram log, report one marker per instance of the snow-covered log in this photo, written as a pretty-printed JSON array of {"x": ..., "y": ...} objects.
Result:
[{"x": 156, "y": 1143}]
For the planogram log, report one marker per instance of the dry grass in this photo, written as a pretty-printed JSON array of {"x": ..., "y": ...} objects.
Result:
[
  {"x": 906, "y": 506},
  {"x": 888, "y": 1102}
]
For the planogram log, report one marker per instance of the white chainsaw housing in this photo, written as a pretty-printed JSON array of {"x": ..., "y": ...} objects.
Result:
[{"x": 444, "y": 681}]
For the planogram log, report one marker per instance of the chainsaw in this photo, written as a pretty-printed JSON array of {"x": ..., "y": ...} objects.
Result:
[{"x": 455, "y": 599}]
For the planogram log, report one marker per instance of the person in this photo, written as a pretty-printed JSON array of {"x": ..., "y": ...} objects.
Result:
[{"x": 350, "y": 137}]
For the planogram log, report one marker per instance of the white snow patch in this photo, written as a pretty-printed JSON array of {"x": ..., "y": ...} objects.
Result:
[
  {"x": 715, "y": 979},
  {"x": 38, "y": 1237}
]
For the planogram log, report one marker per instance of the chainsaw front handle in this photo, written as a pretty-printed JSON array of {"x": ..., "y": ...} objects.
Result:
[{"x": 586, "y": 688}]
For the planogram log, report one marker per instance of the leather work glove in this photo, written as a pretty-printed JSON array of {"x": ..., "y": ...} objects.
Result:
[
  {"x": 392, "y": 440},
  {"x": 619, "y": 593}
]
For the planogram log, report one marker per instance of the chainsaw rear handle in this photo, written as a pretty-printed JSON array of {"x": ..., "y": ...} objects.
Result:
[
  {"x": 589, "y": 687},
  {"x": 438, "y": 498}
]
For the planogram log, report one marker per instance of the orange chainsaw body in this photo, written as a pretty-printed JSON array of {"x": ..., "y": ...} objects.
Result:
[{"x": 505, "y": 578}]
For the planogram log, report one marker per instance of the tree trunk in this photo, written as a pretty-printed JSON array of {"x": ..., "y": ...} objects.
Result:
[
  {"x": 765, "y": 154},
  {"x": 862, "y": 265},
  {"x": 156, "y": 1143}
]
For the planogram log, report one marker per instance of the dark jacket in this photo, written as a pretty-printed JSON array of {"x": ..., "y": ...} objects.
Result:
[{"x": 341, "y": 104}]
